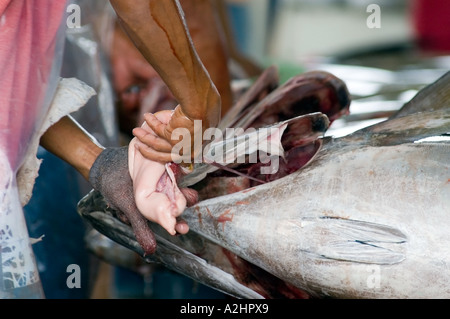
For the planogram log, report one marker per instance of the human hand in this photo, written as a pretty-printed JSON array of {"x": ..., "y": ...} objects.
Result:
[
  {"x": 110, "y": 176},
  {"x": 150, "y": 195},
  {"x": 177, "y": 62},
  {"x": 158, "y": 143},
  {"x": 156, "y": 192}
]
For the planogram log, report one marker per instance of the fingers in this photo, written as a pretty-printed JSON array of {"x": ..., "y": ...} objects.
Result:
[
  {"x": 166, "y": 136},
  {"x": 165, "y": 123},
  {"x": 153, "y": 155},
  {"x": 157, "y": 144},
  {"x": 156, "y": 125},
  {"x": 157, "y": 156},
  {"x": 154, "y": 141},
  {"x": 144, "y": 235},
  {"x": 181, "y": 227}
]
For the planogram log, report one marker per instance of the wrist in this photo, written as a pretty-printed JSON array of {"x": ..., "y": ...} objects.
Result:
[
  {"x": 88, "y": 156},
  {"x": 206, "y": 109},
  {"x": 103, "y": 163}
]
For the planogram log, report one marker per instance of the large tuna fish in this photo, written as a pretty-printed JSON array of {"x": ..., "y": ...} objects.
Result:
[{"x": 366, "y": 217}]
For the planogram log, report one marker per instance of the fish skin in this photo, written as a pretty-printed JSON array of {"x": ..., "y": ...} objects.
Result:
[
  {"x": 321, "y": 85},
  {"x": 380, "y": 236},
  {"x": 370, "y": 203},
  {"x": 279, "y": 228},
  {"x": 191, "y": 255}
]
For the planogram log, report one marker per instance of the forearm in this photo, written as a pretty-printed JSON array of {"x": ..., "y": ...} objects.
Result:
[
  {"x": 209, "y": 42},
  {"x": 70, "y": 142},
  {"x": 160, "y": 33}
]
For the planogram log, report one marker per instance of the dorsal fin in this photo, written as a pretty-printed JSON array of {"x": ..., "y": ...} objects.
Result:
[
  {"x": 433, "y": 97},
  {"x": 426, "y": 115}
]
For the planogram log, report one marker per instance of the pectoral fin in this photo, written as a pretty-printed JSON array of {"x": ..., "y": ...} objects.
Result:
[{"x": 351, "y": 240}]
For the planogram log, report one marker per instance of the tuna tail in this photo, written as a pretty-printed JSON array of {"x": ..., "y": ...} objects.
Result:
[{"x": 426, "y": 115}]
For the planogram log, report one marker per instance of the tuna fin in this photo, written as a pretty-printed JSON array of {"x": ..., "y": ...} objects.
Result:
[
  {"x": 353, "y": 240},
  {"x": 297, "y": 131},
  {"x": 407, "y": 129},
  {"x": 264, "y": 84},
  {"x": 431, "y": 98},
  {"x": 426, "y": 115}
]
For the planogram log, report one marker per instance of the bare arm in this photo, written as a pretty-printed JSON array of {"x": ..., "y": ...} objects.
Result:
[
  {"x": 159, "y": 31},
  {"x": 106, "y": 170},
  {"x": 69, "y": 141},
  {"x": 209, "y": 40}
]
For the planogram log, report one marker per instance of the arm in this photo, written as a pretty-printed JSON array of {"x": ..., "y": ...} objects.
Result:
[
  {"x": 106, "y": 170},
  {"x": 70, "y": 142},
  {"x": 204, "y": 26},
  {"x": 159, "y": 31}
]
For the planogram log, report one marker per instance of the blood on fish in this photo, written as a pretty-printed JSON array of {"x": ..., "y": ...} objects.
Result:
[
  {"x": 199, "y": 214},
  {"x": 209, "y": 212},
  {"x": 224, "y": 218},
  {"x": 261, "y": 281}
]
